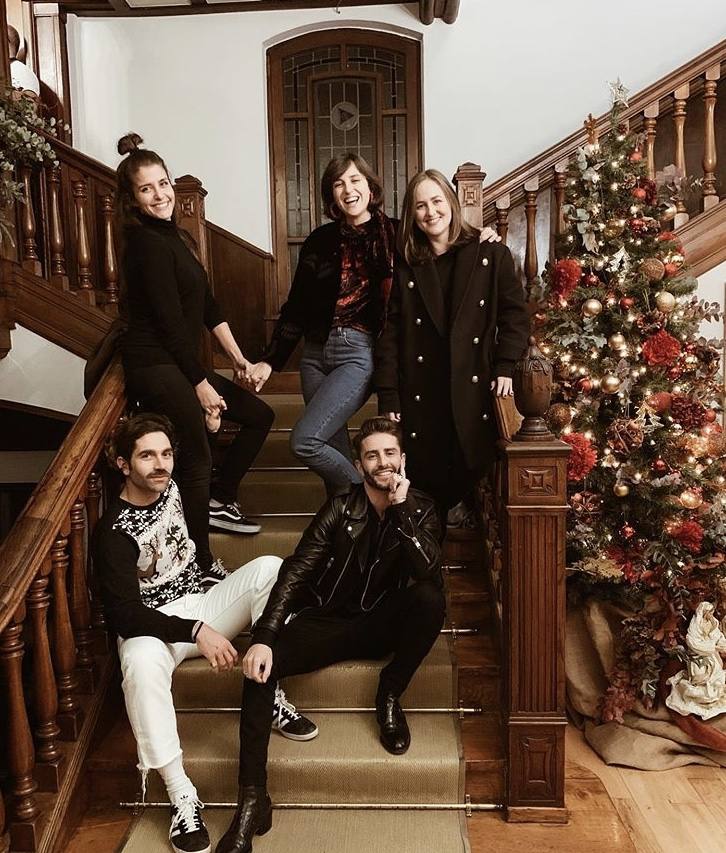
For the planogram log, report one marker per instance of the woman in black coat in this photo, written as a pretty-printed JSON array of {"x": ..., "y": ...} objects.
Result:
[{"x": 456, "y": 325}]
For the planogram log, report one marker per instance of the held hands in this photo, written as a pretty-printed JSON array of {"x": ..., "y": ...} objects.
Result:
[
  {"x": 242, "y": 369},
  {"x": 258, "y": 374},
  {"x": 216, "y": 648},
  {"x": 398, "y": 490},
  {"x": 209, "y": 399},
  {"x": 502, "y": 386},
  {"x": 393, "y": 416},
  {"x": 489, "y": 235},
  {"x": 257, "y": 663}
]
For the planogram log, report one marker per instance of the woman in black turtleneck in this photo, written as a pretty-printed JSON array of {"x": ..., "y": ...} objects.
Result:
[{"x": 168, "y": 301}]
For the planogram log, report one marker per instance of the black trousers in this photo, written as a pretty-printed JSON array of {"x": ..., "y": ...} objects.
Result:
[
  {"x": 406, "y": 623},
  {"x": 163, "y": 388}
]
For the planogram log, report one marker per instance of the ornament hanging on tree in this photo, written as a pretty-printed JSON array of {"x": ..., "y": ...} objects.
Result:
[
  {"x": 610, "y": 384},
  {"x": 587, "y": 506},
  {"x": 614, "y": 228},
  {"x": 691, "y": 498},
  {"x": 665, "y": 301},
  {"x": 627, "y": 531},
  {"x": 671, "y": 269},
  {"x": 566, "y": 276},
  {"x": 653, "y": 269},
  {"x": 591, "y": 280},
  {"x": 636, "y": 156},
  {"x": 591, "y": 307},
  {"x": 626, "y": 303},
  {"x": 660, "y": 401},
  {"x": 661, "y": 349},
  {"x": 625, "y": 435},
  {"x": 621, "y": 490},
  {"x": 559, "y": 415},
  {"x": 616, "y": 341},
  {"x": 660, "y": 466},
  {"x": 584, "y": 385}
]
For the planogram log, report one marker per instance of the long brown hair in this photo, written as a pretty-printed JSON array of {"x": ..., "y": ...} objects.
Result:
[
  {"x": 413, "y": 244},
  {"x": 335, "y": 168}
]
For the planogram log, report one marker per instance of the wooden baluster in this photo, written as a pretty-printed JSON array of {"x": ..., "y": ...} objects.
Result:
[
  {"x": 710, "y": 197},
  {"x": 23, "y": 810},
  {"x": 468, "y": 180},
  {"x": 531, "y": 188},
  {"x": 64, "y": 648},
  {"x": 31, "y": 258},
  {"x": 85, "y": 283},
  {"x": 649, "y": 122},
  {"x": 79, "y": 600},
  {"x": 58, "y": 273},
  {"x": 45, "y": 692},
  {"x": 560, "y": 183},
  {"x": 110, "y": 267},
  {"x": 680, "y": 95},
  {"x": 502, "y": 207},
  {"x": 93, "y": 498}
]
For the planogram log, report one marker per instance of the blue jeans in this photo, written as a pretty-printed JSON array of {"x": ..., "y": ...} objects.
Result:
[{"x": 335, "y": 379}]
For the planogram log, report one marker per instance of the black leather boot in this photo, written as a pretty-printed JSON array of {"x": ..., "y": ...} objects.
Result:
[
  {"x": 253, "y": 817},
  {"x": 395, "y": 735}
]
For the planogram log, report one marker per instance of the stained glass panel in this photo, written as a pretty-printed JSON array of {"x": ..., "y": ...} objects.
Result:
[
  {"x": 390, "y": 64},
  {"x": 296, "y": 70},
  {"x": 297, "y": 177}
]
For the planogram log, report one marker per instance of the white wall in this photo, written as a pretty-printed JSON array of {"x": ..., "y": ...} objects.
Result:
[
  {"x": 39, "y": 373},
  {"x": 499, "y": 86},
  {"x": 712, "y": 287}
]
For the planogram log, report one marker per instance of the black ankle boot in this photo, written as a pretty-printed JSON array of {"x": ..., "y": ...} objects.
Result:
[
  {"x": 395, "y": 735},
  {"x": 253, "y": 817}
]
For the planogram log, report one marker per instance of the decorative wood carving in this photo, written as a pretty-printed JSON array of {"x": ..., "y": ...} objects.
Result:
[
  {"x": 190, "y": 196},
  {"x": 64, "y": 647},
  {"x": 58, "y": 274},
  {"x": 710, "y": 197},
  {"x": 45, "y": 696},
  {"x": 31, "y": 258},
  {"x": 502, "y": 213},
  {"x": 531, "y": 264},
  {"x": 83, "y": 245},
  {"x": 21, "y": 757},
  {"x": 110, "y": 267},
  {"x": 80, "y": 605},
  {"x": 680, "y": 97},
  {"x": 468, "y": 180}
]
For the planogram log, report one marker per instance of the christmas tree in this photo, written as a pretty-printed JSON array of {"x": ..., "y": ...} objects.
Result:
[{"x": 637, "y": 395}]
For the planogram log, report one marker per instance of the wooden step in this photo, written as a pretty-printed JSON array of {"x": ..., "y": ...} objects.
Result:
[
  {"x": 484, "y": 756},
  {"x": 263, "y": 492}
]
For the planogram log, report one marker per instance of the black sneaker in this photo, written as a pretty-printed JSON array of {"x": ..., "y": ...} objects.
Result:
[
  {"x": 289, "y": 722},
  {"x": 214, "y": 574},
  {"x": 229, "y": 517},
  {"x": 187, "y": 833}
]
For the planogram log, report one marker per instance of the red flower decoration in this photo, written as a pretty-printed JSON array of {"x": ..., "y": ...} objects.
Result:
[
  {"x": 582, "y": 458},
  {"x": 661, "y": 349},
  {"x": 626, "y": 560},
  {"x": 566, "y": 276},
  {"x": 690, "y": 535}
]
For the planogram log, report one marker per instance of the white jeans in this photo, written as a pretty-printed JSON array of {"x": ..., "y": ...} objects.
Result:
[{"x": 147, "y": 663}]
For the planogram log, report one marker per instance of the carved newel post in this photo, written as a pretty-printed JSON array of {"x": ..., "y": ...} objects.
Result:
[
  {"x": 534, "y": 518},
  {"x": 532, "y": 393}
]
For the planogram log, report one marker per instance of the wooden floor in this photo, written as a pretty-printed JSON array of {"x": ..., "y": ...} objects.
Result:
[{"x": 612, "y": 810}]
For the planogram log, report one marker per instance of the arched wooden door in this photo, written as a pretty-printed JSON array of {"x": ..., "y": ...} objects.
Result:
[{"x": 331, "y": 92}]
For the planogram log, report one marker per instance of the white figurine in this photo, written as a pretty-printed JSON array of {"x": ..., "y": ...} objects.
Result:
[{"x": 701, "y": 689}]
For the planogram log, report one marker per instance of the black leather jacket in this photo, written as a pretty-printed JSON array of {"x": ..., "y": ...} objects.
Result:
[{"x": 337, "y": 541}]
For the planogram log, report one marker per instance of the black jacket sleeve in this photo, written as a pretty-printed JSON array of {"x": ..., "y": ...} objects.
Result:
[
  {"x": 385, "y": 355},
  {"x": 213, "y": 315},
  {"x": 298, "y": 571},
  {"x": 151, "y": 264},
  {"x": 290, "y": 325},
  {"x": 512, "y": 318},
  {"x": 419, "y": 532},
  {"x": 114, "y": 560}
]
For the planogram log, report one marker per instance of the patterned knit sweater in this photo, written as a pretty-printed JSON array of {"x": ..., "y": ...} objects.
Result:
[{"x": 143, "y": 558}]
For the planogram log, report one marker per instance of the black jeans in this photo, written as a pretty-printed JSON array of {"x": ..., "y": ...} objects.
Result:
[
  {"x": 406, "y": 623},
  {"x": 164, "y": 389}
]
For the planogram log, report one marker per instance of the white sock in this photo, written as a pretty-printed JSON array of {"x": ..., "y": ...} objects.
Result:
[
  {"x": 214, "y": 503},
  {"x": 178, "y": 784}
]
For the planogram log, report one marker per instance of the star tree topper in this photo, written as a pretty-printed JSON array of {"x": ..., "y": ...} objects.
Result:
[{"x": 618, "y": 93}]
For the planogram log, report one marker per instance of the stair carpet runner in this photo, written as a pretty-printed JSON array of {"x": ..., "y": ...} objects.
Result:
[{"x": 345, "y": 764}]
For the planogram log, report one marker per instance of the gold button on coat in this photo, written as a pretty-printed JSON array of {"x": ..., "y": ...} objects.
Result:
[
  {"x": 475, "y": 379},
  {"x": 485, "y": 262}
]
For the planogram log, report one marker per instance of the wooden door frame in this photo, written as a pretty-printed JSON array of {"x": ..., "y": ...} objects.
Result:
[{"x": 410, "y": 47}]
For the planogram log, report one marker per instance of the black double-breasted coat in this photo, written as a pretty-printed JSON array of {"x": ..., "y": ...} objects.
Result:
[{"x": 435, "y": 367}]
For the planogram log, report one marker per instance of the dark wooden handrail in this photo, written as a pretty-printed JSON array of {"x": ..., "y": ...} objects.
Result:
[{"x": 32, "y": 535}]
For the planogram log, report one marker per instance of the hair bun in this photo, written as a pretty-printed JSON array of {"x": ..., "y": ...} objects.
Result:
[{"x": 129, "y": 143}]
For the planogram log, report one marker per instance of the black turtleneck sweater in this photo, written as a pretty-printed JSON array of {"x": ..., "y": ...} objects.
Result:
[{"x": 169, "y": 299}]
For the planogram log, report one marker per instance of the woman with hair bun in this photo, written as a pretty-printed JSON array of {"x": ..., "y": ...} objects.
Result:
[
  {"x": 168, "y": 301},
  {"x": 457, "y": 322}
]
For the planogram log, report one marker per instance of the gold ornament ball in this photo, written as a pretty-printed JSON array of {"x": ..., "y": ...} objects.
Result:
[
  {"x": 610, "y": 384},
  {"x": 591, "y": 307},
  {"x": 614, "y": 228},
  {"x": 653, "y": 269},
  {"x": 621, "y": 490},
  {"x": 665, "y": 301},
  {"x": 690, "y": 499},
  {"x": 616, "y": 341},
  {"x": 559, "y": 415}
]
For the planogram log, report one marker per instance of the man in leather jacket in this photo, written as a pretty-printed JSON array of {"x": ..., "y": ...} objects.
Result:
[{"x": 364, "y": 582}]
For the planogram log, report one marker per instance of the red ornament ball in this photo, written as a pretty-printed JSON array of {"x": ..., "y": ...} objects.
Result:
[
  {"x": 709, "y": 416},
  {"x": 636, "y": 156},
  {"x": 626, "y": 302},
  {"x": 584, "y": 385},
  {"x": 660, "y": 466},
  {"x": 627, "y": 531},
  {"x": 671, "y": 269},
  {"x": 660, "y": 401},
  {"x": 639, "y": 193},
  {"x": 637, "y": 225},
  {"x": 591, "y": 280},
  {"x": 674, "y": 372}
]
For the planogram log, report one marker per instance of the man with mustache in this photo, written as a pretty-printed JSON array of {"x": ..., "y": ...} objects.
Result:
[
  {"x": 154, "y": 599},
  {"x": 364, "y": 582}
]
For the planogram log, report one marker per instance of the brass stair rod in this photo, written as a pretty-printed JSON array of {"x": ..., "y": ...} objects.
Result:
[
  {"x": 467, "y": 807},
  {"x": 454, "y": 631},
  {"x": 224, "y": 710}
]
